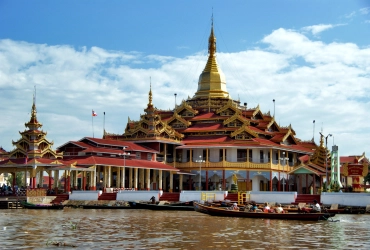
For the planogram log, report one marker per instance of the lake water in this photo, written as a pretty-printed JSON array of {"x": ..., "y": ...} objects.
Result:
[{"x": 145, "y": 229}]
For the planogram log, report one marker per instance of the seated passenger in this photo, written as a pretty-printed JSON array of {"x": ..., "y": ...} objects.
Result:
[
  {"x": 248, "y": 207},
  {"x": 255, "y": 207},
  {"x": 279, "y": 209},
  {"x": 266, "y": 207},
  {"x": 234, "y": 207},
  {"x": 316, "y": 208}
]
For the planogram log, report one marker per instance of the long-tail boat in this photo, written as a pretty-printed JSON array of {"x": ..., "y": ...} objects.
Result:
[
  {"x": 41, "y": 206},
  {"x": 179, "y": 206},
  {"x": 222, "y": 211}
]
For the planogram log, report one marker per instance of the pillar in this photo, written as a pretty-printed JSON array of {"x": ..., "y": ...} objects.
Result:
[
  {"x": 118, "y": 177},
  {"x": 270, "y": 178},
  {"x": 147, "y": 179},
  {"x": 109, "y": 181},
  {"x": 181, "y": 182},
  {"x": 122, "y": 181},
  {"x": 49, "y": 183},
  {"x": 83, "y": 180},
  {"x": 41, "y": 180},
  {"x": 75, "y": 180},
  {"x": 160, "y": 180},
  {"x": 130, "y": 181},
  {"x": 171, "y": 182},
  {"x": 164, "y": 181},
  {"x": 136, "y": 178}
]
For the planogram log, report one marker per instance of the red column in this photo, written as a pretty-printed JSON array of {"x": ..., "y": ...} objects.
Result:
[
  {"x": 34, "y": 182},
  {"x": 83, "y": 181},
  {"x": 50, "y": 180},
  {"x": 69, "y": 183}
]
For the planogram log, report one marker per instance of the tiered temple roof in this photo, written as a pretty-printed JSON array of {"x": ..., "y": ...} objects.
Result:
[{"x": 212, "y": 117}]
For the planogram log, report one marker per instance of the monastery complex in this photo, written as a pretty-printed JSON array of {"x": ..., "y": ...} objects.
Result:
[{"x": 207, "y": 142}]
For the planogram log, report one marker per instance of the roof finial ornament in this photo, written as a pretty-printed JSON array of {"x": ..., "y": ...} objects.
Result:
[
  {"x": 212, "y": 41},
  {"x": 33, "y": 110},
  {"x": 150, "y": 93}
]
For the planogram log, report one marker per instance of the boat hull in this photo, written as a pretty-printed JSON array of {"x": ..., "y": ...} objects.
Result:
[
  {"x": 215, "y": 211},
  {"x": 32, "y": 206},
  {"x": 105, "y": 207},
  {"x": 138, "y": 205}
]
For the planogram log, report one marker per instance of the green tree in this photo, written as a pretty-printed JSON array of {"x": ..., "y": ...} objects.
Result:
[{"x": 18, "y": 179}]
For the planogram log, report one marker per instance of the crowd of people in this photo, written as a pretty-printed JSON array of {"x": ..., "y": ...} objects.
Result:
[{"x": 277, "y": 208}]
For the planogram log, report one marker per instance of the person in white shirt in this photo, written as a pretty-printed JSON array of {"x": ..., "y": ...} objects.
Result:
[{"x": 316, "y": 208}]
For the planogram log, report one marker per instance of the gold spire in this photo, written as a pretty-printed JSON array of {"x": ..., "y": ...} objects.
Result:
[
  {"x": 150, "y": 93},
  {"x": 33, "y": 123},
  {"x": 212, "y": 82}
]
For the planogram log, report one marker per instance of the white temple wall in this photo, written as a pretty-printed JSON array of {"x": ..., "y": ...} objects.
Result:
[{"x": 231, "y": 155}]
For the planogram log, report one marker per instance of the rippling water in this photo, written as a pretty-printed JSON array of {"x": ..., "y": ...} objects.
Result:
[{"x": 144, "y": 229}]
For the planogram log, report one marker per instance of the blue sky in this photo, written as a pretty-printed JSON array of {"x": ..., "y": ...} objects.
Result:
[{"x": 312, "y": 57}]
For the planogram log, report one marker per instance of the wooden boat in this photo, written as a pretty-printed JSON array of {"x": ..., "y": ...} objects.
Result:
[
  {"x": 346, "y": 210},
  {"x": 178, "y": 206},
  {"x": 35, "y": 206},
  {"x": 104, "y": 207},
  {"x": 217, "y": 211}
]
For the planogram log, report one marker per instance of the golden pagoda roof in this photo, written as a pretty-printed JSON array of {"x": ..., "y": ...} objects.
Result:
[{"x": 212, "y": 81}]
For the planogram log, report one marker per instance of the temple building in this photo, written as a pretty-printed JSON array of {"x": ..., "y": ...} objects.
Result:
[
  {"x": 208, "y": 142},
  {"x": 33, "y": 154},
  {"x": 219, "y": 140}
]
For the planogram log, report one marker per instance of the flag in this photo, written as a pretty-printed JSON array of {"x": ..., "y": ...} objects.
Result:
[{"x": 94, "y": 113}]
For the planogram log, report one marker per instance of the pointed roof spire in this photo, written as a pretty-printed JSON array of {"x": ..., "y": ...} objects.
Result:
[
  {"x": 33, "y": 124},
  {"x": 150, "y": 93},
  {"x": 212, "y": 82}
]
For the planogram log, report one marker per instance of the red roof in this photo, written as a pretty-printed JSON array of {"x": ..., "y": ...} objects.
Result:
[
  {"x": 118, "y": 162},
  {"x": 206, "y": 126},
  {"x": 207, "y": 116},
  {"x": 207, "y": 139}
]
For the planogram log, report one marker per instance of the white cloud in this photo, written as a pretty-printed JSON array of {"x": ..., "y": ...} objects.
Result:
[
  {"x": 316, "y": 29},
  {"x": 310, "y": 80},
  {"x": 364, "y": 11}
]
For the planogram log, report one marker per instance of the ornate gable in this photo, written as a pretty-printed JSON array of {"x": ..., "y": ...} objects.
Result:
[
  {"x": 236, "y": 120},
  {"x": 229, "y": 109},
  {"x": 185, "y": 110},
  {"x": 244, "y": 132},
  {"x": 289, "y": 138},
  {"x": 176, "y": 121}
]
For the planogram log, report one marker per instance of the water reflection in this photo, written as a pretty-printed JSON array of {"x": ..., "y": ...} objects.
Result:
[{"x": 142, "y": 229}]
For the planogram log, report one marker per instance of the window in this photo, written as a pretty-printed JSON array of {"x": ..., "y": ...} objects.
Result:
[
  {"x": 149, "y": 156},
  {"x": 138, "y": 155}
]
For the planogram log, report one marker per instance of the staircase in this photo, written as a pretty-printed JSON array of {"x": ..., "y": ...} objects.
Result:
[
  {"x": 60, "y": 198},
  {"x": 170, "y": 197},
  {"x": 108, "y": 197},
  {"x": 233, "y": 197},
  {"x": 306, "y": 198}
]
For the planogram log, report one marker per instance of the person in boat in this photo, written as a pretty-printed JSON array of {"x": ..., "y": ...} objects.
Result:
[
  {"x": 248, "y": 207},
  {"x": 266, "y": 207},
  {"x": 316, "y": 208},
  {"x": 255, "y": 207},
  {"x": 152, "y": 200},
  {"x": 279, "y": 209},
  {"x": 234, "y": 207}
]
